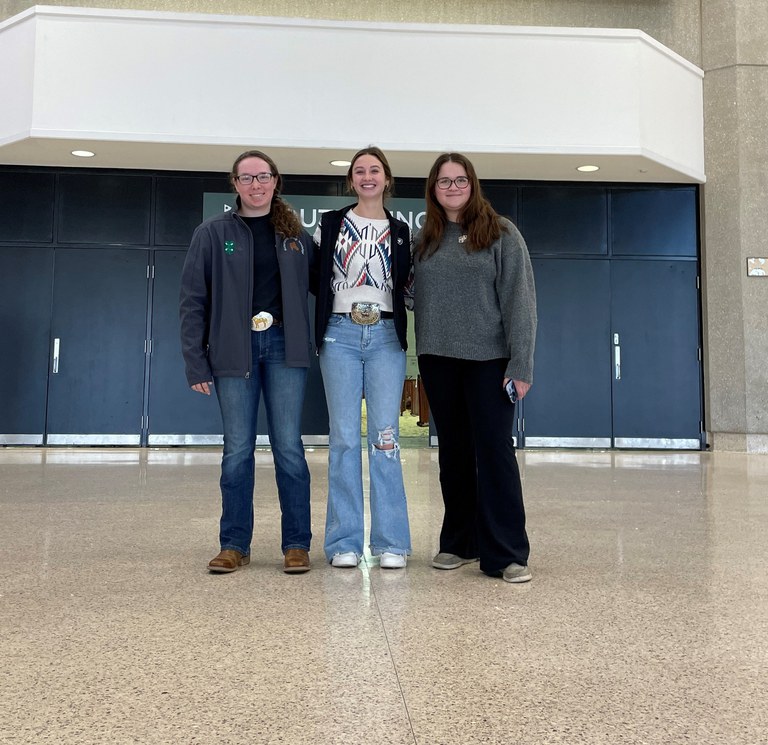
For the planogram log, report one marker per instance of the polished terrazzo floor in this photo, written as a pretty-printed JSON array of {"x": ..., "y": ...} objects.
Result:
[{"x": 646, "y": 621}]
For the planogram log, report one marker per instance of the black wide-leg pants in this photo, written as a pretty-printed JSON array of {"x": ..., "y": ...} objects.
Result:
[{"x": 479, "y": 476}]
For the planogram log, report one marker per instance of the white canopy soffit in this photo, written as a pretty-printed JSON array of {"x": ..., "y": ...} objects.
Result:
[{"x": 190, "y": 92}]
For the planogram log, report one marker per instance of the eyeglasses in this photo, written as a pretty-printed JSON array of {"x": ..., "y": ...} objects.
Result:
[
  {"x": 263, "y": 178},
  {"x": 462, "y": 182}
]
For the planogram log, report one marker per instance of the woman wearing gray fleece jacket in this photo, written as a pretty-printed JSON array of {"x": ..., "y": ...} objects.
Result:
[
  {"x": 475, "y": 319},
  {"x": 245, "y": 326}
]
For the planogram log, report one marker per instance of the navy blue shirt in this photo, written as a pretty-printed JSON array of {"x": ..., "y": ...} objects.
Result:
[{"x": 267, "y": 293}]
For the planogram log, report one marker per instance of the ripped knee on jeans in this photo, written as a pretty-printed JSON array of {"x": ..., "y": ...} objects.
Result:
[{"x": 387, "y": 443}]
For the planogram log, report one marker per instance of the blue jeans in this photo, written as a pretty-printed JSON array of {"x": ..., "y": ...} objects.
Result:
[
  {"x": 356, "y": 359},
  {"x": 283, "y": 389}
]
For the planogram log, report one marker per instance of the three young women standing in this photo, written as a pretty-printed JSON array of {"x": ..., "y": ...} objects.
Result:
[
  {"x": 244, "y": 325},
  {"x": 360, "y": 330}
]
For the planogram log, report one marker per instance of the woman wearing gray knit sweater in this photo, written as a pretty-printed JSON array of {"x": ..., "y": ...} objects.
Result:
[{"x": 475, "y": 314}]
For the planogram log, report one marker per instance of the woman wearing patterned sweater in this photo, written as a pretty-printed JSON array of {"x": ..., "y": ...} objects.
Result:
[
  {"x": 360, "y": 330},
  {"x": 475, "y": 315}
]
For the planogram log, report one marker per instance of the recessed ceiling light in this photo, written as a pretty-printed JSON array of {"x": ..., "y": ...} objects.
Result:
[
  {"x": 341, "y": 163},
  {"x": 588, "y": 169},
  {"x": 83, "y": 153}
]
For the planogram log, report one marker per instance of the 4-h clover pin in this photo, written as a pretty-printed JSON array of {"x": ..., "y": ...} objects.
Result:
[{"x": 229, "y": 247}]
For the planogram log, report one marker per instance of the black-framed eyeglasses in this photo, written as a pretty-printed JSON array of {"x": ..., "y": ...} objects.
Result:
[
  {"x": 247, "y": 178},
  {"x": 462, "y": 182}
]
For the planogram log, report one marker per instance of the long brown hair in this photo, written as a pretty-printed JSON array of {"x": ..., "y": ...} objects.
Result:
[
  {"x": 379, "y": 155},
  {"x": 478, "y": 218},
  {"x": 284, "y": 220}
]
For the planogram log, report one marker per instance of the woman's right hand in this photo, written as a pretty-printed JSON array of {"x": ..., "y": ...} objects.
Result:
[
  {"x": 203, "y": 387},
  {"x": 521, "y": 387}
]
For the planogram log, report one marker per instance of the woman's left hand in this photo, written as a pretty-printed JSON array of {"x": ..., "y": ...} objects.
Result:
[{"x": 521, "y": 387}]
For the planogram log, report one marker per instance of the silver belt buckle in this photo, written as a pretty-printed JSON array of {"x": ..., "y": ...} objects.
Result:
[
  {"x": 261, "y": 321},
  {"x": 365, "y": 314}
]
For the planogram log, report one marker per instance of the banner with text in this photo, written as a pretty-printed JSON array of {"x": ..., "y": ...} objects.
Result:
[{"x": 309, "y": 208}]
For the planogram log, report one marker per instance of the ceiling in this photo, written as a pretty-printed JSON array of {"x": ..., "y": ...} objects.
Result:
[
  {"x": 159, "y": 91},
  {"x": 631, "y": 168}
]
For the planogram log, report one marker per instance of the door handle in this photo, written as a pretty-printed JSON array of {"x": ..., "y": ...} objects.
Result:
[
  {"x": 617, "y": 362},
  {"x": 56, "y": 347}
]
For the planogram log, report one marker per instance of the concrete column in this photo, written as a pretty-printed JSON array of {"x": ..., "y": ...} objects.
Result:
[{"x": 735, "y": 62}]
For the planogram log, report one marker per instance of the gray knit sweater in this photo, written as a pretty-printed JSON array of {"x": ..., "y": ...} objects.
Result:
[{"x": 480, "y": 305}]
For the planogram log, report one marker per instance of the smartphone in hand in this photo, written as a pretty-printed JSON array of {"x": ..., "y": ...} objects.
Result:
[{"x": 511, "y": 391}]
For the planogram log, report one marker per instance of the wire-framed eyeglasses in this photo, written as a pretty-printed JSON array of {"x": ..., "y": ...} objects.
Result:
[
  {"x": 248, "y": 178},
  {"x": 462, "y": 182}
]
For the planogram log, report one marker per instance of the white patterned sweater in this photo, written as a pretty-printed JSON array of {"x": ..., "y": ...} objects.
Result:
[{"x": 362, "y": 263}]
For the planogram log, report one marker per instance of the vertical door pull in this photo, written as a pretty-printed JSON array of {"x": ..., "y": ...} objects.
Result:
[
  {"x": 56, "y": 345},
  {"x": 617, "y": 361}
]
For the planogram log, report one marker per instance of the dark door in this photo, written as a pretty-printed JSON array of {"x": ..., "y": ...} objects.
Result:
[
  {"x": 25, "y": 309},
  {"x": 656, "y": 367},
  {"x": 177, "y": 415},
  {"x": 569, "y": 404},
  {"x": 96, "y": 381}
]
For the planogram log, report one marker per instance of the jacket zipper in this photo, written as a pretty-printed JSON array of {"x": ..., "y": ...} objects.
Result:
[{"x": 248, "y": 354}]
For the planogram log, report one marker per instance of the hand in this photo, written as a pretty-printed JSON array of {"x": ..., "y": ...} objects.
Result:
[
  {"x": 521, "y": 387},
  {"x": 203, "y": 387}
]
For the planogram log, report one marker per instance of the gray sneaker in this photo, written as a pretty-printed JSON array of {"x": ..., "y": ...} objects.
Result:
[
  {"x": 450, "y": 561},
  {"x": 517, "y": 573}
]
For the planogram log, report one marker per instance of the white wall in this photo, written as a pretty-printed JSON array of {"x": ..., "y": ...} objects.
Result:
[
  {"x": 309, "y": 86},
  {"x": 17, "y": 67}
]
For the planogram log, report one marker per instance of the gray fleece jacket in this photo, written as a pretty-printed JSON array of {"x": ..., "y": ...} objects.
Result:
[
  {"x": 479, "y": 305},
  {"x": 215, "y": 301}
]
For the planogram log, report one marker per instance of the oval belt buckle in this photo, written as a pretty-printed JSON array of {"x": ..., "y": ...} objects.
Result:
[
  {"x": 365, "y": 314},
  {"x": 261, "y": 321}
]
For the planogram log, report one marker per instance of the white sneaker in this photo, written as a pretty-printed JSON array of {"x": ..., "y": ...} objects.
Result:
[
  {"x": 392, "y": 561},
  {"x": 347, "y": 559}
]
